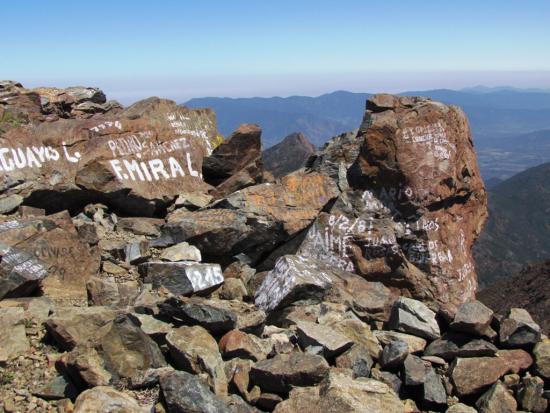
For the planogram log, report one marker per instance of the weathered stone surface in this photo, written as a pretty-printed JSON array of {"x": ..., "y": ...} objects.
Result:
[
  {"x": 82, "y": 326},
  {"x": 412, "y": 316},
  {"x": 542, "y": 358},
  {"x": 414, "y": 371},
  {"x": 197, "y": 397},
  {"x": 236, "y": 343},
  {"x": 233, "y": 289},
  {"x": 518, "y": 329},
  {"x": 10, "y": 203},
  {"x": 470, "y": 375},
  {"x": 530, "y": 395},
  {"x": 181, "y": 252},
  {"x": 151, "y": 326},
  {"x": 516, "y": 360},
  {"x": 137, "y": 160},
  {"x": 236, "y": 163},
  {"x": 360, "y": 333},
  {"x": 194, "y": 312},
  {"x": 339, "y": 393},
  {"x": 182, "y": 278},
  {"x": 332, "y": 342},
  {"x": 280, "y": 373},
  {"x": 358, "y": 359},
  {"x": 104, "y": 292},
  {"x": 106, "y": 399},
  {"x": 416, "y": 344},
  {"x": 45, "y": 252},
  {"x": 473, "y": 318},
  {"x": 453, "y": 345},
  {"x": 13, "y": 340},
  {"x": 496, "y": 400},
  {"x": 254, "y": 220},
  {"x": 85, "y": 367},
  {"x": 433, "y": 391},
  {"x": 394, "y": 354},
  {"x": 57, "y": 388},
  {"x": 193, "y": 349},
  {"x": 140, "y": 226},
  {"x": 397, "y": 222}
]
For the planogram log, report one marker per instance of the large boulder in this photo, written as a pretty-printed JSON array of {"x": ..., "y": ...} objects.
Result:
[
  {"x": 106, "y": 399},
  {"x": 288, "y": 155},
  {"x": 414, "y": 204},
  {"x": 137, "y": 160}
]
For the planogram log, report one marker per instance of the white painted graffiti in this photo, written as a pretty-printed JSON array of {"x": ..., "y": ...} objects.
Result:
[
  {"x": 183, "y": 125},
  {"x": 107, "y": 125},
  {"x": 203, "y": 279},
  {"x": 153, "y": 169},
  {"x": 432, "y": 134},
  {"x": 33, "y": 157}
]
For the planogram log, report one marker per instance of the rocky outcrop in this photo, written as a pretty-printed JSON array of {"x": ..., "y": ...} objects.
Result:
[{"x": 288, "y": 155}]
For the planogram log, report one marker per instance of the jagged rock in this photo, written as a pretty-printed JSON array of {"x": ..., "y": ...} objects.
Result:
[
  {"x": 13, "y": 340},
  {"x": 104, "y": 292},
  {"x": 254, "y": 220},
  {"x": 433, "y": 392},
  {"x": 470, "y": 375},
  {"x": 453, "y": 345},
  {"x": 497, "y": 400},
  {"x": 106, "y": 399},
  {"x": 416, "y": 171},
  {"x": 193, "y": 349},
  {"x": 193, "y": 200},
  {"x": 151, "y": 326},
  {"x": 472, "y": 318},
  {"x": 360, "y": 333},
  {"x": 542, "y": 357},
  {"x": 288, "y": 155},
  {"x": 136, "y": 252},
  {"x": 248, "y": 317},
  {"x": 141, "y": 226},
  {"x": 236, "y": 343},
  {"x": 339, "y": 393},
  {"x": 358, "y": 359},
  {"x": 518, "y": 329},
  {"x": 82, "y": 326},
  {"x": 137, "y": 160},
  {"x": 149, "y": 378},
  {"x": 394, "y": 354},
  {"x": 236, "y": 163},
  {"x": 85, "y": 367},
  {"x": 414, "y": 371},
  {"x": 530, "y": 396},
  {"x": 197, "y": 397},
  {"x": 412, "y": 316},
  {"x": 194, "y": 312},
  {"x": 416, "y": 344},
  {"x": 182, "y": 278},
  {"x": 332, "y": 342},
  {"x": 45, "y": 252},
  {"x": 127, "y": 350},
  {"x": 181, "y": 252},
  {"x": 233, "y": 289},
  {"x": 460, "y": 408},
  {"x": 280, "y": 373},
  {"x": 237, "y": 372}
]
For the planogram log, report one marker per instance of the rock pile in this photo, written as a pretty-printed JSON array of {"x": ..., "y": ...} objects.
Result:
[{"x": 347, "y": 286}]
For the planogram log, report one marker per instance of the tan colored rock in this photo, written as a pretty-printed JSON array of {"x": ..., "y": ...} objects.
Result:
[
  {"x": 195, "y": 350},
  {"x": 236, "y": 343},
  {"x": 13, "y": 340},
  {"x": 542, "y": 357},
  {"x": 416, "y": 344},
  {"x": 497, "y": 400},
  {"x": 106, "y": 399}
]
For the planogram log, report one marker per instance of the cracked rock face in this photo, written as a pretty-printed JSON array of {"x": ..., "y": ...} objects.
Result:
[{"x": 415, "y": 203}]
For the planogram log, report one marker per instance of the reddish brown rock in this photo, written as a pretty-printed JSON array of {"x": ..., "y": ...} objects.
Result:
[
  {"x": 236, "y": 163},
  {"x": 45, "y": 252},
  {"x": 416, "y": 204},
  {"x": 137, "y": 160},
  {"x": 236, "y": 343}
]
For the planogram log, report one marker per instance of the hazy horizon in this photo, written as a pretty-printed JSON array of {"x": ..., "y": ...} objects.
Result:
[{"x": 179, "y": 50}]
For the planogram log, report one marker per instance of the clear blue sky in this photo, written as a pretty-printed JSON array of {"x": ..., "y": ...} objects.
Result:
[{"x": 184, "y": 49}]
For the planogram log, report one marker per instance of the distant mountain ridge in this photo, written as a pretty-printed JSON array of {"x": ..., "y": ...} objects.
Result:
[{"x": 518, "y": 229}]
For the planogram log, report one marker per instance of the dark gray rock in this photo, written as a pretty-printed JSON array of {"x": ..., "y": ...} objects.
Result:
[
  {"x": 473, "y": 318},
  {"x": 518, "y": 329},
  {"x": 414, "y": 317},
  {"x": 414, "y": 371},
  {"x": 453, "y": 345},
  {"x": 434, "y": 395},
  {"x": 394, "y": 354},
  {"x": 357, "y": 359},
  {"x": 184, "y": 393},
  {"x": 284, "y": 371},
  {"x": 388, "y": 378},
  {"x": 182, "y": 278},
  {"x": 192, "y": 312}
]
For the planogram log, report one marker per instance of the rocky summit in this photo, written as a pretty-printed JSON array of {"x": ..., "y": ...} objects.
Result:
[{"x": 149, "y": 265}]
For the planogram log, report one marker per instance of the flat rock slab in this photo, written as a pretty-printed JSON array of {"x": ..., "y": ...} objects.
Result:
[
  {"x": 471, "y": 375},
  {"x": 280, "y": 373},
  {"x": 332, "y": 342},
  {"x": 473, "y": 318},
  {"x": 414, "y": 317},
  {"x": 182, "y": 278}
]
